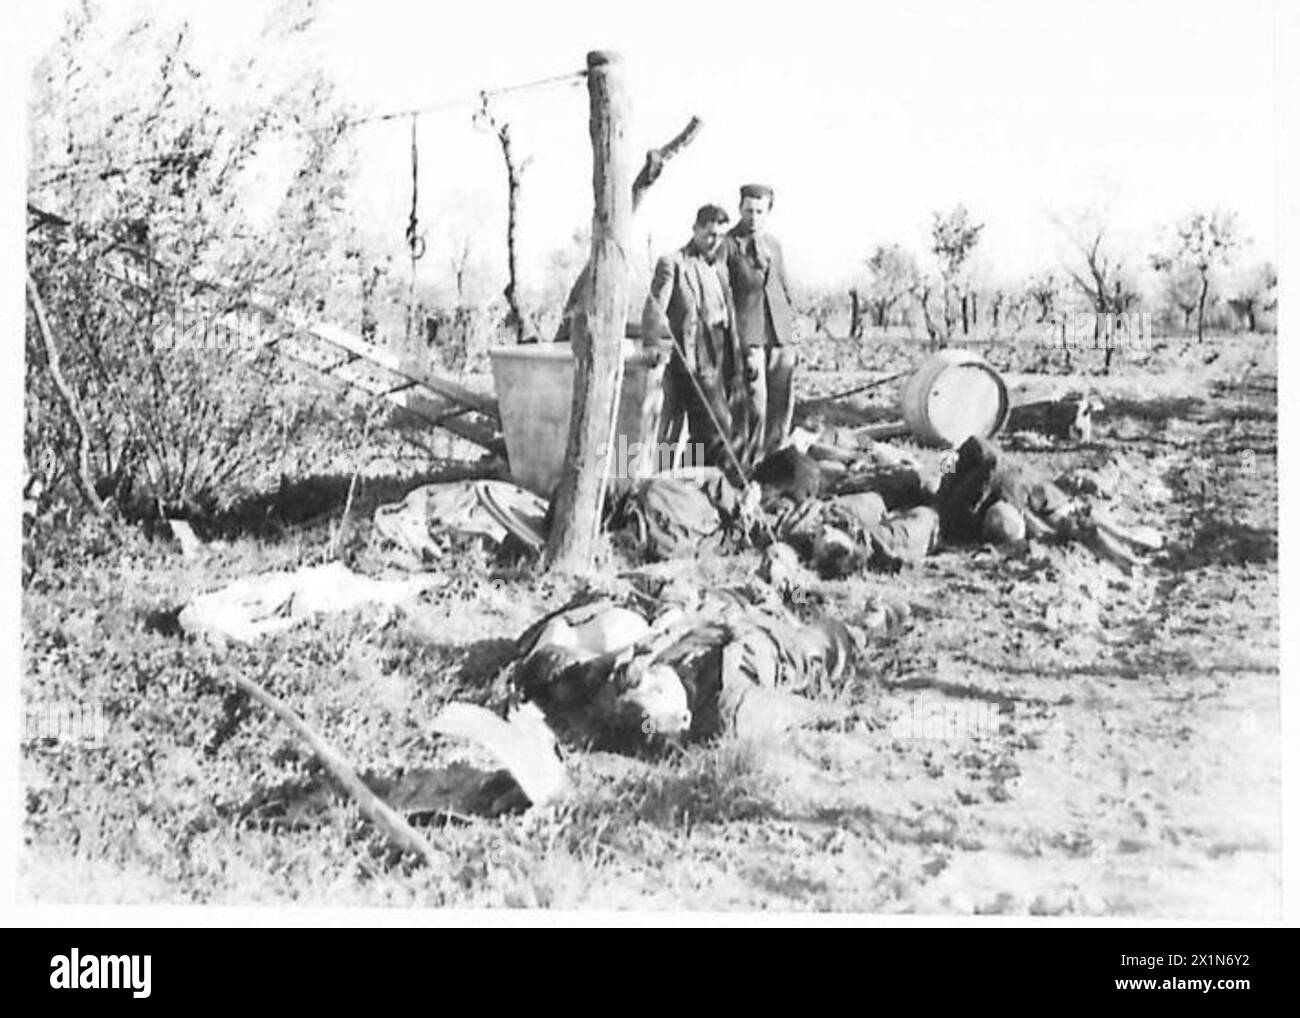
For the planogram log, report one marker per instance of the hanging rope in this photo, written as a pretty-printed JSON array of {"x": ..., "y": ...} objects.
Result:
[{"x": 414, "y": 238}]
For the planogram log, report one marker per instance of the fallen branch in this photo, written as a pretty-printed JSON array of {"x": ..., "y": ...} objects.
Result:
[
  {"x": 378, "y": 812},
  {"x": 68, "y": 397}
]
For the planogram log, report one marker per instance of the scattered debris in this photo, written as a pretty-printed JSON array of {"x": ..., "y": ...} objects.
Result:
[
  {"x": 191, "y": 546},
  {"x": 523, "y": 744},
  {"x": 433, "y": 515},
  {"x": 680, "y": 514},
  {"x": 399, "y": 832},
  {"x": 256, "y": 606},
  {"x": 1068, "y": 418}
]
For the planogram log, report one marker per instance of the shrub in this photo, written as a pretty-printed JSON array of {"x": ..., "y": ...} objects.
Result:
[{"x": 175, "y": 208}]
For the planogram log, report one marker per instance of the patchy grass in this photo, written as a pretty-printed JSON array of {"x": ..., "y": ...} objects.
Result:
[{"x": 1049, "y": 737}]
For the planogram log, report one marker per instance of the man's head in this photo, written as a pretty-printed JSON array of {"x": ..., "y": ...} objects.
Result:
[
  {"x": 755, "y": 204},
  {"x": 710, "y": 226}
]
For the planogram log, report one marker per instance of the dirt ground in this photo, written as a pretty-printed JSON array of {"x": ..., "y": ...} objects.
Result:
[{"x": 1049, "y": 736}]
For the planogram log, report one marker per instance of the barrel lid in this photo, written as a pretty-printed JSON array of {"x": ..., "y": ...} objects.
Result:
[{"x": 965, "y": 400}]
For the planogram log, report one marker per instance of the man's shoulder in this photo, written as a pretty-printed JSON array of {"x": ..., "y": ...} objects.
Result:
[{"x": 669, "y": 261}]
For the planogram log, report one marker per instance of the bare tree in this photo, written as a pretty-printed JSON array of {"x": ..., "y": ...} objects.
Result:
[
  {"x": 1100, "y": 274},
  {"x": 856, "y": 307},
  {"x": 1044, "y": 292},
  {"x": 997, "y": 302},
  {"x": 462, "y": 251},
  {"x": 514, "y": 174},
  {"x": 922, "y": 291},
  {"x": 1201, "y": 242}
]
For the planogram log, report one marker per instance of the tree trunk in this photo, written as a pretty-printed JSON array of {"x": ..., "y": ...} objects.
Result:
[
  {"x": 931, "y": 327},
  {"x": 598, "y": 326},
  {"x": 855, "y": 314},
  {"x": 1200, "y": 308},
  {"x": 514, "y": 170},
  {"x": 512, "y": 229}
]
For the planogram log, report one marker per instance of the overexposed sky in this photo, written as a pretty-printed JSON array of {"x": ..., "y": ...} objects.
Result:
[{"x": 864, "y": 117}]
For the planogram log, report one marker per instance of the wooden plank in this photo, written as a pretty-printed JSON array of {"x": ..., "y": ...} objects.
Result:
[
  {"x": 435, "y": 413},
  {"x": 391, "y": 361},
  {"x": 484, "y": 433}
]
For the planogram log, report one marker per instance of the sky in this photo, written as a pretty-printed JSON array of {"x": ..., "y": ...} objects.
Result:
[{"x": 865, "y": 119}]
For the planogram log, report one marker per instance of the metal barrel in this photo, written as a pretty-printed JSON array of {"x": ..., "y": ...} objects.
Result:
[{"x": 953, "y": 395}]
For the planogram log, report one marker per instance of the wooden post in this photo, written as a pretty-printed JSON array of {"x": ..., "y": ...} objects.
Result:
[{"x": 597, "y": 331}]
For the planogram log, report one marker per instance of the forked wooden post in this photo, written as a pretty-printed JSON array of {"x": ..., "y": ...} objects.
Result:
[{"x": 598, "y": 327}]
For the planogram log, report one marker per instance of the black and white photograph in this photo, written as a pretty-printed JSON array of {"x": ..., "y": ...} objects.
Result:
[{"x": 680, "y": 461}]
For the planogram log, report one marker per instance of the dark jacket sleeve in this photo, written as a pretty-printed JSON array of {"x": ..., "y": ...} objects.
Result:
[
  {"x": 781, "y": 273},
  {"x": 781, "y": 303}
]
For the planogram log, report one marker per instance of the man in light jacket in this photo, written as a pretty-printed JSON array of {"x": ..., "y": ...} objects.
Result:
[{"x": 690, "y": 304}]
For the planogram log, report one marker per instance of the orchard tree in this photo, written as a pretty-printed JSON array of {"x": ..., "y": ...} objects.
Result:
[
  {"x": 953, "y": 238},
  {"x": 1255, "y": 292},
  {"x": 1182, "y": 289},
  {"x": 894, "y": 274},
  {"x": 1201, "y": 242},
  {"x": 1043, "y": 292},
  {"x": 1099, "y": 271}
]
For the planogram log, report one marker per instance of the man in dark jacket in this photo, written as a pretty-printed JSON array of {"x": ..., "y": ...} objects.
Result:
[{"x": 764, "y": 325}]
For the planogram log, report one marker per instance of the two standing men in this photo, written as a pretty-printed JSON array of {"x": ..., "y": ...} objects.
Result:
[{"x": 725, "y": 301}]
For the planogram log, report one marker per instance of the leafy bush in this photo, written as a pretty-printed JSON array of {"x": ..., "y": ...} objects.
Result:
[{"x": 186, "y": 205}]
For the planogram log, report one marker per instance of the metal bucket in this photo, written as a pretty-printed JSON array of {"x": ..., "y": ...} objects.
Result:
[
  {"x": 534, "y": 386},
  {"x": 953, "y": 395}
]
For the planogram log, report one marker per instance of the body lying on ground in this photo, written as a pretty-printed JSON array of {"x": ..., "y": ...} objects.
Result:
[
  {"x": 610, "y": 674},
  {"x": 881, "y": 512}
]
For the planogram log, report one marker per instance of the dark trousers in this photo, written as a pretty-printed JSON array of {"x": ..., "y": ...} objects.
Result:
[
  {"x": 703, "y": 402},
  {"x": 781, "y": 362}
]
